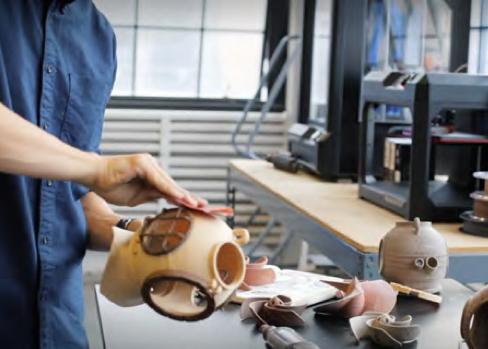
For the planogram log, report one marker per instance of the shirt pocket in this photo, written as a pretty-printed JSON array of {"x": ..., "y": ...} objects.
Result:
[{"x": 87, "y": 99}]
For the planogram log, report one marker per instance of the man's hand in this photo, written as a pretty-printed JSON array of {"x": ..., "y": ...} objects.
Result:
[{"x": 134, "y": 179}]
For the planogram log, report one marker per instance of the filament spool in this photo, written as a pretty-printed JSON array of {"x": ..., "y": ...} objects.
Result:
[
  {"x": 481, "y": 209},
  {"x": 476, "y": 221},
  {"x": 483, "y": 176}
]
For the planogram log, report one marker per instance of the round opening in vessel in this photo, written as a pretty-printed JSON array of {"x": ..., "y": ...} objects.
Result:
[
  {"x": 432, "y": 263},
  {"x": 419, "y": 263},
  {"x": 161, "y": 289},
  {"x": 229, "y": 265},
  {"x": 177, "y": 297}
]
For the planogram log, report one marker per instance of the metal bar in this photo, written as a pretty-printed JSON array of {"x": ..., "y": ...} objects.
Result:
[
  {"x": 468, "y": 267},
  {"x": 281, "y": 247},
  {"x": 344, "y": 255},
  {"x": 273, "y": 95},
  {"x": 369, "y": 267},
  {"x": 306, "y": 66},
  {"x": 249, "y": 105},
  {"x": 166, "y": 103},
  {"x": 280, "y": 49},
  {"x": 230, "y": 200},
  {"x": 263, "y": 235},
  {"x": 253, "y": 216}
]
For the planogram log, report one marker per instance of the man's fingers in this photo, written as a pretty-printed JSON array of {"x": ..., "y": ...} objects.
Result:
[
  {"x": 160, "y": 182},
  {"x": 200, "y": 201},
  {"x": 136, "y": 179},
  {"x": 188, "y": 199},
  {"x": 150, "y": 195}
]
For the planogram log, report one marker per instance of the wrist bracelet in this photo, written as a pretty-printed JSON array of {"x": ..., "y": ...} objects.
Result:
[{"x": 123, "y": 223}]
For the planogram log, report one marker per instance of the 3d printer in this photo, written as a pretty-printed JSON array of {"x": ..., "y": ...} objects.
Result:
[
  {"x": 326, "y": 137},
  {"x": 418, "y": 161}
]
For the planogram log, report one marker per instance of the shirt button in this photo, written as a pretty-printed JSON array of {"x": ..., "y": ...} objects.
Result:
[
  {"x": 44, "y": 126},
  {"x": 44, "y": 240},
  {"x": 50, "y": 69},
  {"x": 49, "y": 183}
]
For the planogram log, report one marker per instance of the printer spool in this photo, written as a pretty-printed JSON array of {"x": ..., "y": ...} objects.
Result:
[{"x": 476, "y": 221}]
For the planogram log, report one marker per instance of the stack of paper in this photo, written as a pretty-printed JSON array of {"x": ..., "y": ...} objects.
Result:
[{"x": 301, "y": 287}]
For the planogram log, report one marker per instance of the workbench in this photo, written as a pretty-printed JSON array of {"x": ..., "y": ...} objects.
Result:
[
  {"x": 141, "y": 327},
  {"x": 335, "y": 221}
]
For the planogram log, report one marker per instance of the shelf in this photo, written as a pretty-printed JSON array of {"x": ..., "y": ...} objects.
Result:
[
  {"x": 442, "y": 194},
  {"x": 459, "y": 138}
]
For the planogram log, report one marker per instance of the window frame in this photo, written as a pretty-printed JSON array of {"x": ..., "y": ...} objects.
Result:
[
  {"x": 276, "y": 26},
  {"x": 306, "y": 73},
  {"x": 172, "y": 103},
  {"x": 460, "y": 31},
  {"x": 338, "y": 155}
]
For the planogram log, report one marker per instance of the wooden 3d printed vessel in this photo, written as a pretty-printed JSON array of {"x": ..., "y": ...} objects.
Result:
[
  {"x": 182, "y": 263},
  {"x": 474, "y": 322},
  {"x": 414, "y": 254}
]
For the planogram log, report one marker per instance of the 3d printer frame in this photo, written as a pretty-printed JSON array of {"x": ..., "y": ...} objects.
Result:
[
  {"x": 425, "y": 95},
  {"x": 337, "y": 157}
]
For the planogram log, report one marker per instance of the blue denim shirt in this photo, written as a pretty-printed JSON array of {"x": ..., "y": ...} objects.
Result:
[{"x": 56, "y": 70}]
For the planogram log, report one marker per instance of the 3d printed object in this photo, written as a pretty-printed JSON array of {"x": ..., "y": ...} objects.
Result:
[
  {"x": 476, "y": 221},
  {"x": 183, "y": 263},
  {"x": 385, "y": 330},
  {"x": 474, "y": 320},
  {"x": 356, "y": 298},
  {"x": 414, "y": 254}
]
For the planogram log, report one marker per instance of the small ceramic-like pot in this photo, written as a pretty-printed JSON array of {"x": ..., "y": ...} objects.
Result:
[
  {"x": 474, "y": 322},
  {"x": 259, "y": 273},
  {"x": 414, "y": 254}
]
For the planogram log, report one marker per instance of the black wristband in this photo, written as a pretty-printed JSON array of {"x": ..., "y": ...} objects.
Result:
[{"x": 123, "y": 223}]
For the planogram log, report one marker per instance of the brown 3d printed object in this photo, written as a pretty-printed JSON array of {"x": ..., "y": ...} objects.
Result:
[
  {"x": 474, "y": 321},
  {"x": 277, "y": 311},
  {"x": 184, "y": 264},
  {"x": 476, "y": 221},
  {"x": 356, "y": 298},
  {"x": 414, "y": 254},
  {"x": 385, "y": 330},
  {"x": 258, "y": 273}
]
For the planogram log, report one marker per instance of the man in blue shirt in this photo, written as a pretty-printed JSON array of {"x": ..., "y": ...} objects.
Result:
[{"x": 57, "y": 68}]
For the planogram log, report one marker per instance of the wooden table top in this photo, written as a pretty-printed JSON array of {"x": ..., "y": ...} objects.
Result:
[{"x": 337, "y": 207}]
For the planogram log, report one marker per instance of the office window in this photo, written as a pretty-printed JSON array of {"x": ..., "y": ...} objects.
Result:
[
  {"x": 438, "y": 29},
  {"x": 409, "y": 35},
  {"x": 319, "y": 89},
  {"x": 187, "y": 48},
  {"x": 478, "y": 38}
]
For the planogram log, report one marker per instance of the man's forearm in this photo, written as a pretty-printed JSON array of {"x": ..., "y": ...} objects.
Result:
[
  {"x": 100, "y": 220},
  {"x": 27, "y": 150},
  {"x": 127, "y": 180}
]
